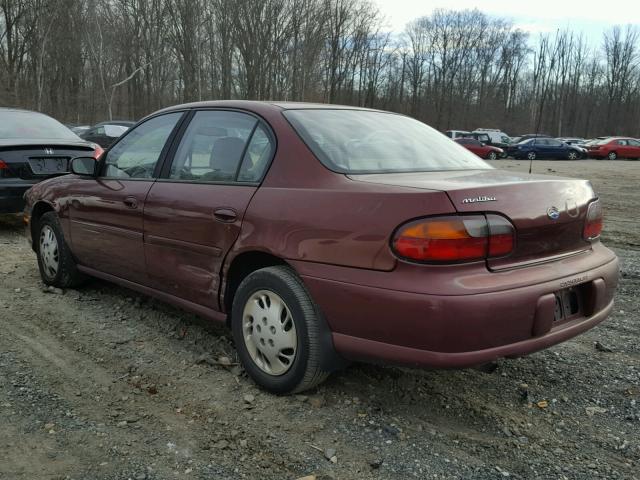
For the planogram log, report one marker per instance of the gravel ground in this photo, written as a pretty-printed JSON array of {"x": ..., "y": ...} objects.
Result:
[{"x": 102, "y": 383}]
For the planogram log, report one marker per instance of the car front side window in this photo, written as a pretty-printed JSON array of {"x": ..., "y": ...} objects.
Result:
[{"x": 137, "y": 154}]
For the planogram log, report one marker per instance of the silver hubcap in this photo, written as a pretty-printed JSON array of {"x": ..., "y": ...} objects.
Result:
[
  {"x": 269, "y": 332},
  {"x": 531, "y": 156},
  {"x": 492, "y": 156},
  {"x": 612, "y": 156},
  {"x": 49, "y": 251},
  {"x": 572, "y": 156}
]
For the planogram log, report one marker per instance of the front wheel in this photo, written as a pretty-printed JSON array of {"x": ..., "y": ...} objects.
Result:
[
  {"x": 55, "y": 262},
  {"x": 531, "y": 155},
  {"x": 572, "y": 155},
  {"x": 277, "y": 331},
  {"x": 492, "y": 156},
  {"x": 612, "y": 156}
]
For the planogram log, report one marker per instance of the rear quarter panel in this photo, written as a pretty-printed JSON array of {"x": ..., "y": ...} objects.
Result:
[{"x": 303, "y": 211}]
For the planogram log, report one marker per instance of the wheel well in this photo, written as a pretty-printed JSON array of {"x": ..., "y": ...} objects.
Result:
[
  {"x": 240, "y": 267},
  {"x": 37, "y": 211}
]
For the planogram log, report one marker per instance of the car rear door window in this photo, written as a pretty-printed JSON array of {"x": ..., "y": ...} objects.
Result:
[
  {"x": 213, "y": 146},
  {"x": 256, "y": 158},
  {"x": 136, "y": 155}
]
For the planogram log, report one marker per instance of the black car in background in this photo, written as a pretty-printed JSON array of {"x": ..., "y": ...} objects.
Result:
[
  {"x": 541, "y": 147},
  {"x": 528, "y": 136},
  {"x": 105, "y": 133},
  {"x": 34, "y": 147}
]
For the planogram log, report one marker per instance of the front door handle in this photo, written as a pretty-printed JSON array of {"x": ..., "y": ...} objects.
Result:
[
  {"x": 225, "y": 215},
  {"x": 131, "y": 202}
]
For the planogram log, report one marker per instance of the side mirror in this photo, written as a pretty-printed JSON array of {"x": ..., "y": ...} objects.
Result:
[{"x": 84, "y": 166}]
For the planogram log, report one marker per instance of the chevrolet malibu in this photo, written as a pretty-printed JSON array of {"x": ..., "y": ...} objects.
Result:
[{"x": 322, "y": 234}]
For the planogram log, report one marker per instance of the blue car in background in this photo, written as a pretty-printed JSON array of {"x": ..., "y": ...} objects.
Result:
[{"x": 545, "y": 148}]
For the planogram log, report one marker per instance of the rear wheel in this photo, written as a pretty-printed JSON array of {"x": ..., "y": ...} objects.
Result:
[
  {"x": 276, "y": 328},
  {"x": 531, "y": 155},
  {"x": 492, "y": 156},
  {"x": 55, "y": 262},
  {"x": 612, "y": 156}
]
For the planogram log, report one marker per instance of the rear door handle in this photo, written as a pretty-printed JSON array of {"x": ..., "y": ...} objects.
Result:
[
  {"x": 131, "y": 202},
  {"x": 225, "y": 215}
]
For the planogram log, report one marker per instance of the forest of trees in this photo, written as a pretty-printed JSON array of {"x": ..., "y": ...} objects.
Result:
[{"x": 87, "y": 60}]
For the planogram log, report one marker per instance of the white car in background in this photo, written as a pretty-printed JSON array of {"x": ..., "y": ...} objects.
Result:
[
  {"x": 453, "y": 134},
  {"x": 496, "y": 136}
]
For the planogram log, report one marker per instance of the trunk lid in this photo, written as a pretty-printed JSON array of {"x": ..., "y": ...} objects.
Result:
[{"x": 547, "y": 212}]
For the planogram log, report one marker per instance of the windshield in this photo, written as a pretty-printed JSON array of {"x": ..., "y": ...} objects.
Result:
[
  {"x": 32, "y": 126},
  {"x": 359, "y": 141}
]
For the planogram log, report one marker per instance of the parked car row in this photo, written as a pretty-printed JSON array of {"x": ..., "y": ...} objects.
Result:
[{"x": 491, "y": 144}]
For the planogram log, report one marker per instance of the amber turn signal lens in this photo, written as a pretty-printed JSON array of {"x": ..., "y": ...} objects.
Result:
[{"x": 454, "y": 238}]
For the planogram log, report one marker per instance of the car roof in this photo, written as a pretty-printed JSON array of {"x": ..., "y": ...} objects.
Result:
[
  {"x": 116, "y": 122},
  {"x": 252, "y": 104}
]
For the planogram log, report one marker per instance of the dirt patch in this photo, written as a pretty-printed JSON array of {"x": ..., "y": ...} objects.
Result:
[{"x": 103, "y": 383}]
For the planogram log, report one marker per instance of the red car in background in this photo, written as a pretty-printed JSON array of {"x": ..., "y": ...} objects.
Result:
[
  {"x": 480, "y": 149},
  {"x": 613, "y": 148}
]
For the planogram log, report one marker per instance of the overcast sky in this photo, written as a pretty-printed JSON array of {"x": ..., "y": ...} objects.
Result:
[{"x": 589, "y": 16}]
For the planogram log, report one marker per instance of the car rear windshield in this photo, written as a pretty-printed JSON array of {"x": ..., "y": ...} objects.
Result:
[
  {"x": 32, "y": 126},
  {"x": 360, "y": 141}
]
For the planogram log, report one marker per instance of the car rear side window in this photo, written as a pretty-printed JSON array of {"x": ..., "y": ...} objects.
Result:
[
  {"x": 257, "y": 156},
  {"x": 136, "y": 155},
  {"x": 364, "y": 141},
  {"x": 212, "y": 146}
]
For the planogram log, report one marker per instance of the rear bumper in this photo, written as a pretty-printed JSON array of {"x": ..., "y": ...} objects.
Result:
[
  {"x": 449, "y": 331},
  {"x": 371, "y": 350},
  {"x": 11, "y": 195}
]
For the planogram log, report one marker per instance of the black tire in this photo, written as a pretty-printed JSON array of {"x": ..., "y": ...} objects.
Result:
[
  {"x": 306, "y": 371},
  {"x": 67, "y": 274},
  {"x": 612, "y": 156}
]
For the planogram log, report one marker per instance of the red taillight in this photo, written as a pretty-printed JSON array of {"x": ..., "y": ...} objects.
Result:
[
  {"x": 454, "y": 238},
  {"x": 593, "y": 221},
  {"x": 4, "y": 170},
  {"x": 97, "y": 151}
]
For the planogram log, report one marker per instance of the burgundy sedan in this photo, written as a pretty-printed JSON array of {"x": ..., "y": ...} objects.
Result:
[
  {"x": 480, "y": 149},
  {"x": 322, "y": 234}
]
